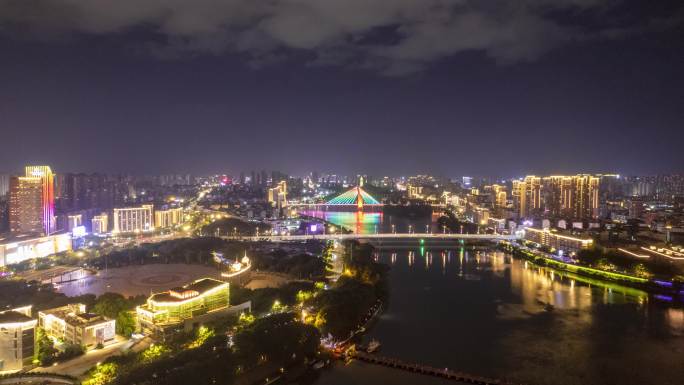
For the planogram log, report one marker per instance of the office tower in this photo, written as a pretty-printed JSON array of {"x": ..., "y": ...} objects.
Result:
[
  {"x": 4, "y": 184},
  {"x": 44, "y": 173},
  {"x": 25, "y": 205},
  {"x": 133, "y": 219},
  {"x": 528, "y": 194}
]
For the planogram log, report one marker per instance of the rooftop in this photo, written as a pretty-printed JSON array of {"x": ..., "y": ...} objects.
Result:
[
  {"x": 73, "y": 315},
  {"x": 13, "y": 317},
  {"x": 194, "y": 289}
]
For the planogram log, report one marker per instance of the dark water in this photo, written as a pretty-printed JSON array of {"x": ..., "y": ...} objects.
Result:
[{"x": 484, "y": 313}]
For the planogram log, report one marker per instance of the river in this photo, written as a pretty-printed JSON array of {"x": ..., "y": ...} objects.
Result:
[{"x": 485, "y": 313}]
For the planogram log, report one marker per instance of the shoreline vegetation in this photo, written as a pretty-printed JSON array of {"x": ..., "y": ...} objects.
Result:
[
  {"x": 242, "y": 349},
  {"x": 673, "y": 288}
]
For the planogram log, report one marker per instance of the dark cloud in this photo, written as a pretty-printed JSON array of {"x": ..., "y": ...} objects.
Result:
[{"x": 331, "y": 32}]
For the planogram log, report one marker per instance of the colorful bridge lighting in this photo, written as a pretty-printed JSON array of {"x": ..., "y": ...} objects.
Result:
[{"x": 354, "y": 197}]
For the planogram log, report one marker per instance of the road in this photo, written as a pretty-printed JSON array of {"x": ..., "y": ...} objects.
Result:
[
  {"x": 341, "y": 237},
  {"x": 79, "y": 365}
]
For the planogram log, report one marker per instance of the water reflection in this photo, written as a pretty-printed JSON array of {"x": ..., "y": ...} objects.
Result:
[{"x": 487, "y": 313}]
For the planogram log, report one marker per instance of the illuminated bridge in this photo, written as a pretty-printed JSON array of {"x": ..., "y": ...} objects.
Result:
[
  {"x": 397, "y": 236},
  {"x": 356, "y": 197}
]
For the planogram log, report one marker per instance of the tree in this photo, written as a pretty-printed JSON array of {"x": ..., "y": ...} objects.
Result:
[
  {"x": 125, "y": 323},
  {"x": 116, "y": 306},
  {"x": 110, "y": 305},
  {"x": 45, "y": 350}
]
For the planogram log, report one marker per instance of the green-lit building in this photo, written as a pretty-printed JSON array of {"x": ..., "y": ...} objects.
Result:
[{"x": 175, "y": 308}]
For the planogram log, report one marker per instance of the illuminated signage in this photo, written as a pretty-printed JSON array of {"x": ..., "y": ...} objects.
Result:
[{"x": 78, "y": 231}]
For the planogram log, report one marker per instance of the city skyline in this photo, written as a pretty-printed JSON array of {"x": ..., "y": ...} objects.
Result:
[
  {"x": 546, "y": 88},
  {"x": 342, "y": 192}
]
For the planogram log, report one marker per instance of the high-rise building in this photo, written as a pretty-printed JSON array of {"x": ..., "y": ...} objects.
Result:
[
  {"x": 528, "y": 195},
  {"x": 558, "y": 195},
  {"x": 4, "y": 184},
  {"x": 277, "y": 196},
  {"x": 47, "y": 195},
  {"x": 25, "y": 205},
  {"x": 4, "y": 215},
  {"x": 133, "y": 219},
  {"x": 84, "y": 191},
  {"x": 574, "y": 197},
  {"x": 586, "y": 197}
]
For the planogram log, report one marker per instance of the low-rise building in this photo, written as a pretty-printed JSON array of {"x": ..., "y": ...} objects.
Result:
[
  {"x": 567, "y": 244},
  {"x": 73, "y": 325},
  {"x": 17, "y": 338},
  {"x": 172, "y": 308},
  {"x": 15, "y": 249},
  {"x": 133, "y": 219}
]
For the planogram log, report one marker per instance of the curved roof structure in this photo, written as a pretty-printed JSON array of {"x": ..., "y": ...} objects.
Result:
[{"x": 354, "y": 197}]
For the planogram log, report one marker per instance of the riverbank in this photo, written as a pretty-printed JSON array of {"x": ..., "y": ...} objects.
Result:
[{"x": 673, "y": 290}]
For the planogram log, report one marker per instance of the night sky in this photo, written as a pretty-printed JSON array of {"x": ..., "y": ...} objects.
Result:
[{"x": 396, "y": 87}]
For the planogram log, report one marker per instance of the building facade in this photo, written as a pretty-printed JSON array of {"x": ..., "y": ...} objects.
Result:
[
  {"x": 18, "y": 249},
  {"x": 277, "y": 196},
  {"x": 4, "y": 184},
  {"x": 133, "y": 219},
  {"x": 572, "y": 197},
  {"x": 73, "y": 325},
  {"x": 73, "y": 221},
  {"x": 566, "y": 244},
  {"x": 25, "y": 212},
  {"x": 47, "y": 202},
  {"x": 169, "y": 309},
  {"x": 100, "y": 224},
  {"x": 528, "y": 193},
  {"x": 168, "y": 218},
  {"x": 17, "y": 338}
]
